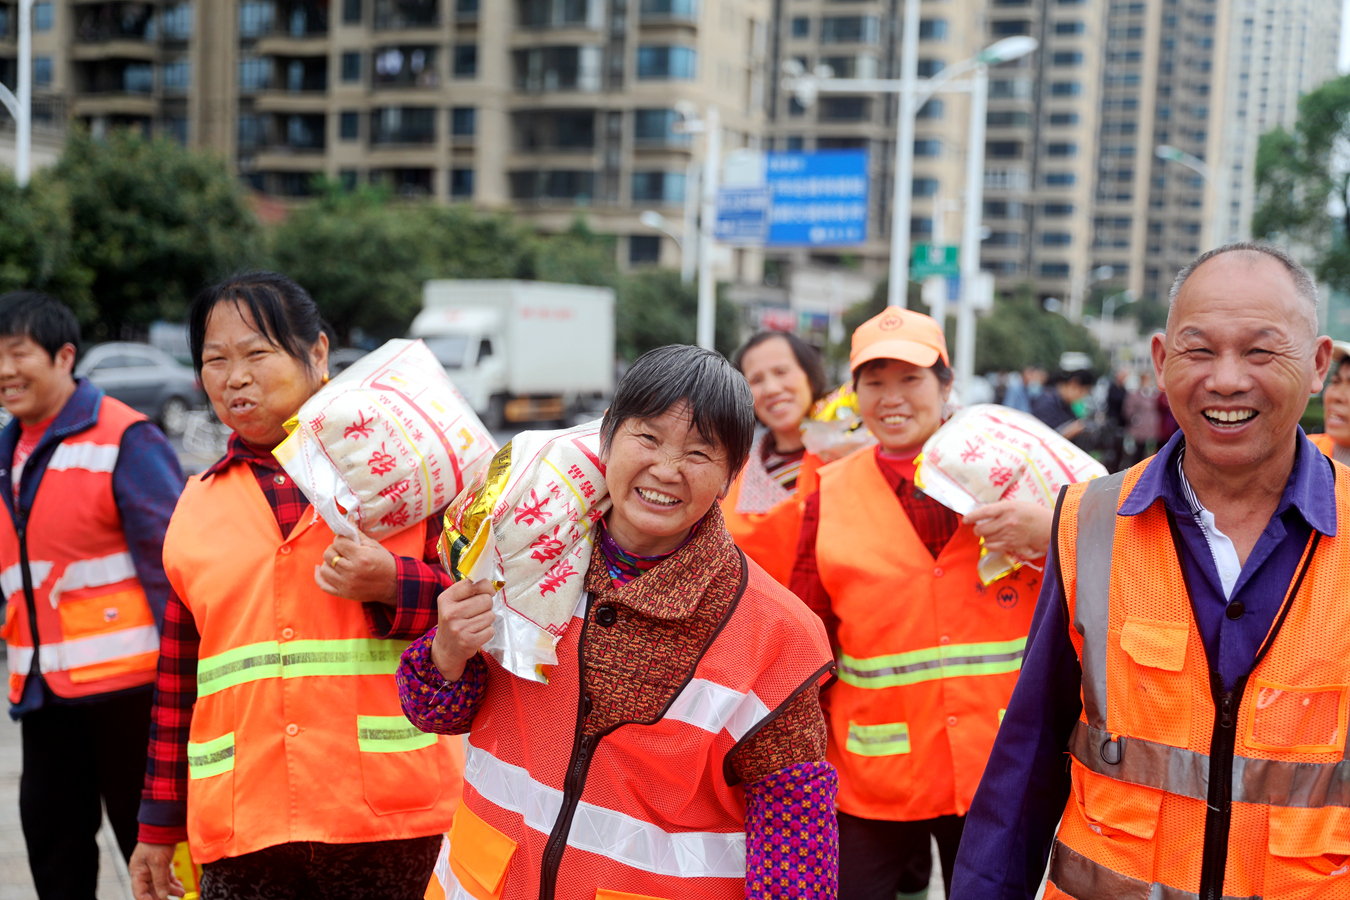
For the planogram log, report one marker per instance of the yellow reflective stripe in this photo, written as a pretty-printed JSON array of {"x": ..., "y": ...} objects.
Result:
[
  {"x": 211, "y": 758},
  {"x": 390, "y": 734},
  {"x": 890, "y": 739},
  {"x": 929, "y": 664},
  {"x": 297, "y": 659},
  {"x": 1001, "y": 713}
]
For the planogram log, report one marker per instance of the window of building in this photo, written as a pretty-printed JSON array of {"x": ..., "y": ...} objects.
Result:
[
  {"x": 845, "y": 109},
  {"x": 574, "y": 185},
  {"x": 1010, "y": 27},
  {"x": 644, "y": 248},
  {"x": 653, "y": 126},
  {"x": 43, "y": 16},
  {"x": 1058, "y": 210},
  {"x": 347, "y": 178},
  {"x": 657, "y": 63},
  {"x": 1007, "y": 118},
  {"x": 1066, "y": 58},
  {"x": 933, "y": 30},
  {"x": 795, "y": 142},
  {"x": 175, "y": 21},
  {"x": 1060, "y": 179},
  {"x": 801, "y": 27},
  {"x": 930, "y": 67},
  {"x": 463, "y": 121},
  {"x": 466, "y": 60},
  {"x": 403, "y": 125},
  {"x": 351, "y": 12},
  {"x": 925, "y": 187},
  {"x": 1003, "y": 149},
  {"x": 1054, "y": 270},
  {"x": 177, "y": 76},
  {"x": 466, "y": 9},
  {"x": 659, "y": 187},
  {"x": 1010, "y": 88},
  {"x": 1056, "y": 238},
  {"x": 351, "y": 67},
  {"x": 1003, "y": 239},
  {"x": 1061, "y": 149},
  {"x": 256, "y": 18},
  {"x": 795, "y": 107},
  {"x": 1070, "y": 26},
  {"x": 921, "y": 226},
  {"x": 928, "y": 147},
  {"x": 1065, "y": 88},
  {"x": 850, "y": 30},
  {"x": 461, "y": 182},
  {"x": 1002, "y": 209},
  {"x": 176, "y": 127},
  {"x": 249, "y": 132},
  {"x": 931, "y": 110},
  {"x": 42, "y": 71},
  {"x": 349, "y": 126}
]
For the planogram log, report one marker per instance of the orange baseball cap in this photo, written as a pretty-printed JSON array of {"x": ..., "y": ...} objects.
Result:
[{"x": 898, "y": 334}]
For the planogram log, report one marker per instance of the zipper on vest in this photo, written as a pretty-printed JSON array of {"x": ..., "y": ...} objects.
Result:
[
  {"x": 1219, "y": 814},
  {"x": 575, "y": 781},
  {"x": 35, "y": 667}
]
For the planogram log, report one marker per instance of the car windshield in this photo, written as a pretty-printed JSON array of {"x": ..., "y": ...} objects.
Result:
[{"x": 449, "y": 349}]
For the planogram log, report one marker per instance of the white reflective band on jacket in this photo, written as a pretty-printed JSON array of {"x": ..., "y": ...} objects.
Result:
[
  {"x": 77, "y": 652},
  {"x": 712, "y": 707},
  {"x": 622, "y": 838},
  {"x": 11, "y": 579},
  {"x": 98, "y": 572},
  {"x": 90, "y": 457}
]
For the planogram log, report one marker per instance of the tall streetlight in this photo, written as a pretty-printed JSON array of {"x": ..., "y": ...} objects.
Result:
[
  {"x": 21, "y": 107},
  {"x": 1081, "y": 286},
  {"x": 711, "y": 127},
  {"x": 1109, "y": 306},
  {"x": 1168, "y": 153},
  {"x": 653, "y": 219},
  {"x": 914, "y": 93}
]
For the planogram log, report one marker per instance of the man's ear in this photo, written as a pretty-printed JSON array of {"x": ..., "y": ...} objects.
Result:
[{"x": 65, "y": 358}]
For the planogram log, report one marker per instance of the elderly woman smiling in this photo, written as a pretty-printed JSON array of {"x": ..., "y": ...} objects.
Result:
[{"x": 679, "y": 747}]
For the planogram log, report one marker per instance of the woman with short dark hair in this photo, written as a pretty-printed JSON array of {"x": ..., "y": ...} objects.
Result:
[
  {"x": 678, "y": 748},
  {"x": 277, "y": 746},
  {"x": 763, "y": 509}
]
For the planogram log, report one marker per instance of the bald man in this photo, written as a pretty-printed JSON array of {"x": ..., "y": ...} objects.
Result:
[{"x": 1179, "y": 726}]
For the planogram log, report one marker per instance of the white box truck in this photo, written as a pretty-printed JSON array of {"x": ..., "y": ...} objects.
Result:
[{"x": 521, "y": 351}]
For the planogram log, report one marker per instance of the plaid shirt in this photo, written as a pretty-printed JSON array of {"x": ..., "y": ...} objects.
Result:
[
  {"x": 163, "y": 813},
  {"x": 934, "y": 523}
]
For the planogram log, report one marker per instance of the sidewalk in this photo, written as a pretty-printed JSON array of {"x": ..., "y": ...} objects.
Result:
[{"x": 15, "y": 881}]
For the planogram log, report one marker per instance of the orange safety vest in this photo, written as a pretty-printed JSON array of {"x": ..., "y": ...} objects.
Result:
[
  {"x": 645, "y": 811},
  {"x": 928, "y": 654},
  {"x": 770, "y": 538},
  {"x": 1324, "y": 443},
  {"x": 1180, "y": 789},
  {"x": 95, "y": 631},
  {"x": 297, "y": 733}
]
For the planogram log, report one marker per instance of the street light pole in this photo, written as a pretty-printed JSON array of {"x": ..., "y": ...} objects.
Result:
[
  {"x": 1109, "y": 313},
  {"x": 21, "y": 107},
  {"x": 970, "y": 226},
  {"x": 902, "y": 191},
  {"x": 1197, "y": 165},
  {"x": 707, "y": 288}
]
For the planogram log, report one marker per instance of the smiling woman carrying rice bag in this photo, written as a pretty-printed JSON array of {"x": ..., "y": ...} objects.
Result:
[{"x": 677, "y": 748}]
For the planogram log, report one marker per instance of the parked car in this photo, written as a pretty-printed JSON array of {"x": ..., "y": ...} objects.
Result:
[{"x": 145, "y": 378}]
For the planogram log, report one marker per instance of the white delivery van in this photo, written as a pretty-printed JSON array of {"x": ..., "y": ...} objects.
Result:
[{"x": 521, "y": 351}]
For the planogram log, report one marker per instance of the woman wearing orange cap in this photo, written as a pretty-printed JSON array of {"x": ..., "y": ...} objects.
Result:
[
  {"x": 1335, "y": 442},
  {"x": 763, "y": 510},
  {"x": 928, "y": 654}
]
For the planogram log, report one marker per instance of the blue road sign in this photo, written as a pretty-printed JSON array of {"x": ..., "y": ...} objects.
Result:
[
  {"x": 742, "y": 215},
  {"x": 818, "y": 198}
]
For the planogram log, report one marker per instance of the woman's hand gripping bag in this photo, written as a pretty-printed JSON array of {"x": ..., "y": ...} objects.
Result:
[
  {"x": 385, "y": 444},
  {"x": 986, "y": 453},
  {"x": 527, "y": 523}
]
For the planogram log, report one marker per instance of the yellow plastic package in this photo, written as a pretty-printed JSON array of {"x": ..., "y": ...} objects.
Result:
[
  {"x": 833, "y": 429},
  {"x": 986, "y": 453},
  {"x": 526, "y": 523},
  {"x": 386, "y": 443}
]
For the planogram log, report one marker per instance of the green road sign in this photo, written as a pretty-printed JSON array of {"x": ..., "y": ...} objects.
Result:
[{"x": 934, "y": 259}]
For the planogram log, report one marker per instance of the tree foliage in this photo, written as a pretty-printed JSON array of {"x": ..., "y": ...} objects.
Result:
[
  {"x": 1303, "y": 181},
  {"x": 37, "y": 248},
  {"x": 655, "y": 308},
  {"x": 153, "y": 222},
  {"x": 1018, "y": 333}
]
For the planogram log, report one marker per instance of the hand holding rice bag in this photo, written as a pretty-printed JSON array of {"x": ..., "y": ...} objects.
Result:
[
  {"x": 986, "y": 453},
  {"x": 385, "y": 444},
  {"x": 526, "y": 523},
  {"x": 832, "y": 428}
]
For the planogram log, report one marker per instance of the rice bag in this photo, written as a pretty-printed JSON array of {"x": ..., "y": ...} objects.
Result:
[
  {"x": 526, "y": 523},
  {"x": 833, "y": 429},
  {"x": 386, "y": 443},
  {"x": 986, "y": 453}
]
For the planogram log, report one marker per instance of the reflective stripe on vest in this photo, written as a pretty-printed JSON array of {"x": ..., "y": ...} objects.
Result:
[
  {"x": 90, "y": 573},
  {"x": 77, "y": 652},
  {"x": 878, "y": 740},
  {"x": 1093, "y": 548},
  {"x": 713, "y": 707},
  {"x": 11, "y": 579},
  {"x": 297, "y": 659},
  {"x": 212, "y": 757},
  {"x": 950, "y": 661},
  {"x": 1078, "y": 876},
  {"x": 90, "y": 457},
  {"x": 623, "y": 838},
  {"x": 391, "y": 734}
]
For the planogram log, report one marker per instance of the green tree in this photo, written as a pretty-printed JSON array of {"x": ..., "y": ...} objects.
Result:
[
  {"x": 1303, "y": 181},
  {"x": 467, "y": 244},
  {"x": 655, "y": 308},
  {"x": 1018, "y": 332},
  {"x": 36, "y": 247},
  {"x": 577, "y": 256},
  {"x": 153, "y": 222},
  {"x": 362, "y": 258}
]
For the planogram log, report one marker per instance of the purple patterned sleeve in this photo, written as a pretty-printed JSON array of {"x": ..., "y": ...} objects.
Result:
[
  {"x": 791, "y": 835},
  {"x": 432, "y": 703}
]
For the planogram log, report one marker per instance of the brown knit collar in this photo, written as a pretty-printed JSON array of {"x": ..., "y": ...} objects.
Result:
[{"x": 673, "y": 587}]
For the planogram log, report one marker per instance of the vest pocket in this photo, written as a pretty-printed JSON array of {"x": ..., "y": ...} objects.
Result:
[
  {"x": 1298, "y": 720},
  {"x": 211, "y": 788},
  {"x": 1125, "y": 818},
  {"x": 400, "y": 765},
  {"x": 121, "y": 620},
  {"x": 1159, "y": 707},
  {"x": 1309, "y": 853},
  {"x": 479, "y": 855}
]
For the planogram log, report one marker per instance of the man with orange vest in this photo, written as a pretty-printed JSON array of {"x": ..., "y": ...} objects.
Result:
[
  {"x": 89, "y": 486},
  {"x": 1191, "y": 648}
]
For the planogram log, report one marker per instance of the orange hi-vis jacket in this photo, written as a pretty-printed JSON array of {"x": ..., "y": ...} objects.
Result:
[
  {"x": 928, "y": 654},
  {"x": 1181, "y": 789},
  {"x": 70, "y": 571},
  {"x": 770, "y": 538},
  {"x": 647, "y": 810},
  {"x": 297, "y": 733},
  {"x": 1324, "y": 443}
]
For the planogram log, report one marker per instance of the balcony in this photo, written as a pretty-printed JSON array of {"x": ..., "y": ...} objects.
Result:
[
  {"x": 9, "y": 21},
  {"x": 652, "y": 130},
  {"x": 396, "y": 15},
  {"x": 673, "y": 11},
  {"x": 553, "y": 186},
  {"x": 554, "y": 131},
  {"x": 115, "y": 29},
  {"x": 394, "y": 126},
  {"x": 300, "y": 20},
  {"x": 293, "y": 134},
  {"x": 405, "y": 67},
  {"x": 541, "y": 14},
  {"x": 550, "y": 69},
  {"x": 406, "y": 181},
  {"x": 115, "y": 76}
]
